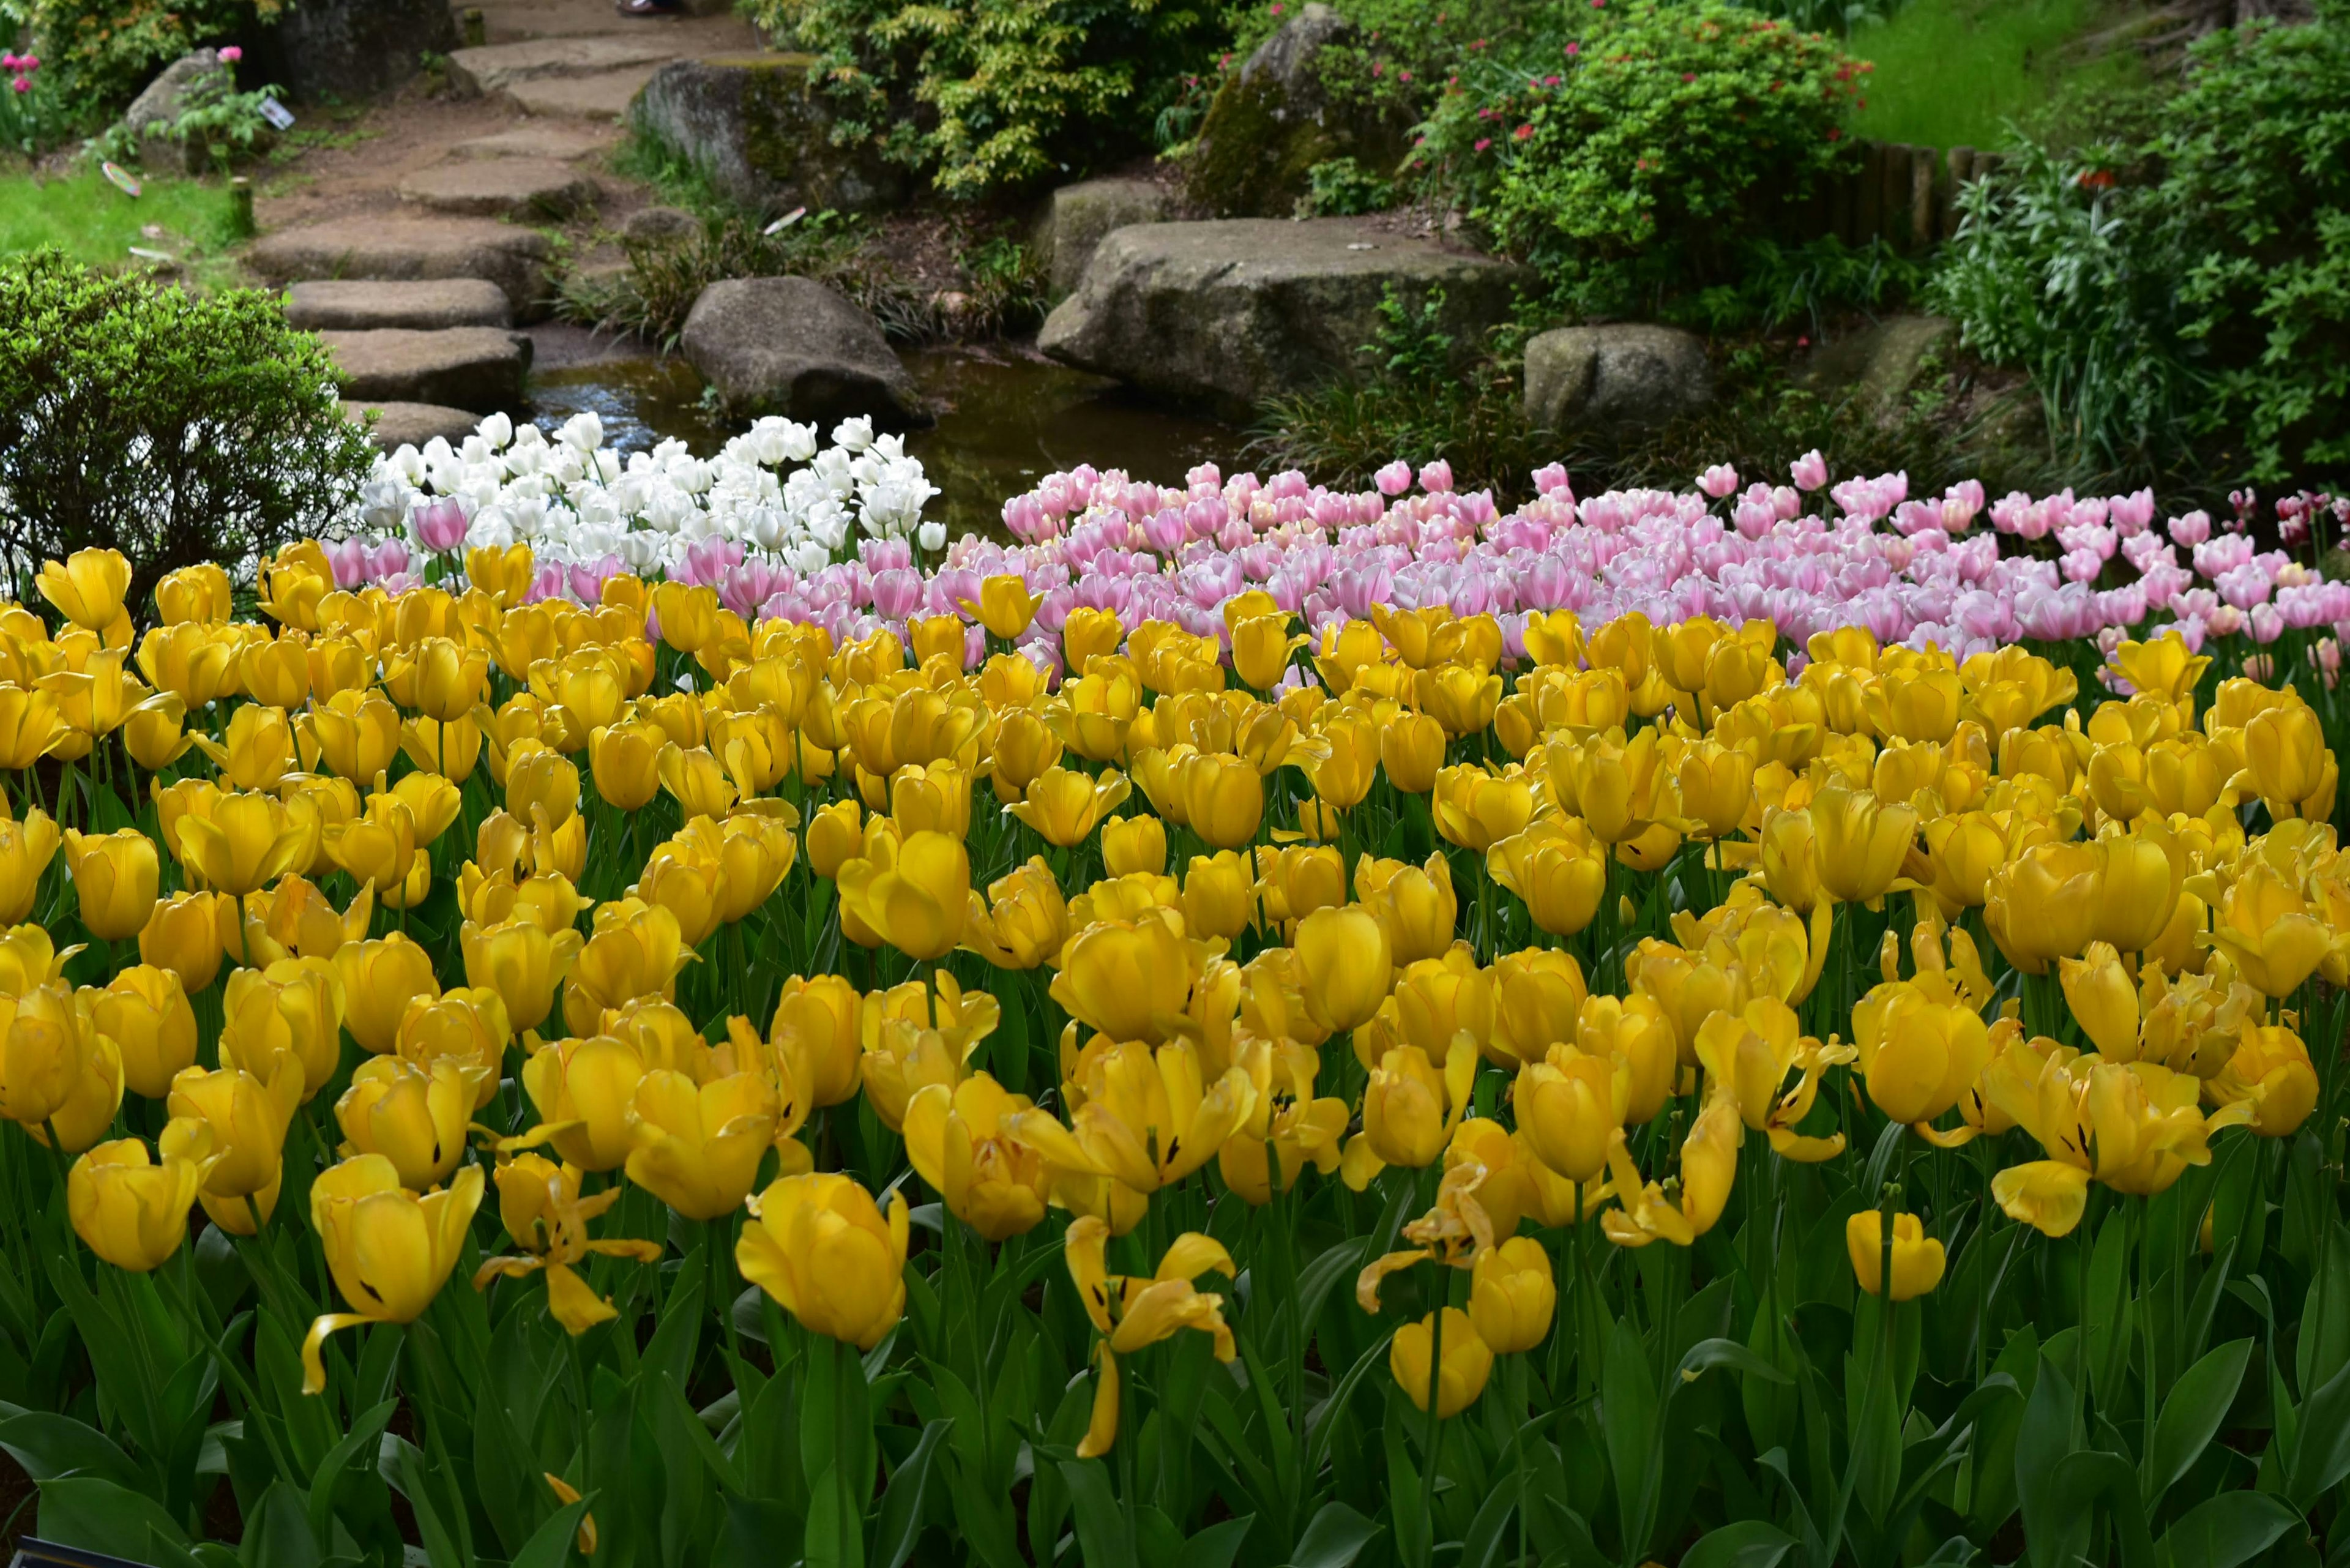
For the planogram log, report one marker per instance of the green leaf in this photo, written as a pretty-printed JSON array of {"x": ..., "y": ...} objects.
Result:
[
  {"x": 1749, "y": 1543},
  {"x": 356, "y": 1451},
  {"x": 1708, "y": 1353},
  {"x": 87, "y": 1511},
  {"x": 1627, "y": 1408},
  {"x": 2191, "y": 1417},
  {"x": 2225, "y": 1531},
  {"x": 50, "y": 1446},
  {"x": 277, "y": 1531},
  {"x": 2325, "y": 1340},
  {"x": 1334, "y": 1539},
  {"x": 1216, "y": 1546},
  {"x": 2317, "y": 1453},
  {"x": 550, "y": 1545},
  {"x": 1101, "y": 1525},
  {"x": 901, "y": 1524},
  {"x": 2053, "y": 1536}
]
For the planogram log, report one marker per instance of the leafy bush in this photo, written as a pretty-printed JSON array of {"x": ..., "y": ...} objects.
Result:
[
  {"x": 1625, "y": 156},
  {"x": 174, "y": 427},
  {"x": 1777, "y": 284},
  {"x": 1340, "y": 187},
  {"x": 32, "y": 115},
  {"x": 104, "y": 50},
  {"x": 987, "y": 95}
]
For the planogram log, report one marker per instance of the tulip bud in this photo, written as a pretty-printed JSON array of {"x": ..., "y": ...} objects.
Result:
[
  {"x": 145, "y": 1012},
  {"x": 1511, "y": 1296},
  {"x": 1467, "y": 1362},
  {"x": 1917, "y": 1259},
  {"x": 115, "y": 878}
]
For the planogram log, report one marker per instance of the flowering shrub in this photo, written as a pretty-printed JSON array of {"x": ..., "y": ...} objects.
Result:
[
  {"x": 1629, "y": 150},
  {"x": 1255, "y": 1025},
  {"x": 106, "y": 50},
  {"x": 30, "y": 120}
]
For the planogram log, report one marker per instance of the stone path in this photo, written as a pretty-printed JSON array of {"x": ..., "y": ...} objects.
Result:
[{"x": 417, "y": 248}]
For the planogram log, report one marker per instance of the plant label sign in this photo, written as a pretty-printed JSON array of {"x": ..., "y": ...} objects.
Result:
[{"x": 279, "y": 117}]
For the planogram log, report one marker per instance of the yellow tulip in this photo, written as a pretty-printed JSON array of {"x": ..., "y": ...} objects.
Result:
[
  {"x": 585, "y": 1092},
  {"x": 1862, "y": 842},
  {"x": 414, "y": 1117},
  {"x": 957, "y": 1140},
  {"x": 1223, "y": 798},
  {"x": 356, "y": 732},
  {"x": 294, "y": 919},
  {"x": 88, "y": 587},
  {"x": 1025, "y": 748},
  {"x": 1916, "y": 1258},
  {"x": 1219, "y": 899},
  {"x": 294, "y": 1008},
  {"x": 625, "y": 759},
  {"x": 26, "y": 850},
  {"x": 145, "y": 1012},
  {"x": 697, "y": 1146},
  {"x": 463, "y": 1025},
  {"x": 2270, "y": 931},
  {"x": 817, "y": 1032},
  {"x": 130, "y": 1209},
  {"x": 685, "y": 878},
  {"x": 1511, "y": 1296},
  {"x": 1064, "y": 807},
  {"x": 389, "y": 1252},
  {"x": 915, "y": 896},
  {"x": 820, "y": 1246},
  {"x": 30, "y": 727},
  {"x": 1557, "y": 869},
  {"x": 1477, "y": 810},
  {"x": 2287, "y": 763},
  {"x": 248, "y": 841},
  {"x": 255, "y": 752},
  {"x": 2044, "y": 905},
  {"x": 1134, "y": 843},
  {"x": 1345, "y": 967},
  {"x": 115, "y": 876},
  {"x": 1918, "y": 1053},
  {"x": 1410, "y": 1107},
  {"x": 2270, "y": 1071},
  {"x": 1538, "y": 995},
  {"x": 523, "y": 962},
  {"x": 540, "y": 1206},
  {"x": 243, "y": 1121},
  {"x": 380, "y": 978},
  {"x": 637, "y": 950},
  {"x": 1299, "y": 878},
  {"x": 1131, "y": 1314},
  {"x": 48, "y": 1045},
  {"x": 1454, "y": 1360},
  {"x": 1026, "y": 921},
  {"x": 198, "y": 593},
  {"x": 1286, "y": 1115},
  {"x": 1005, "y": 607}
]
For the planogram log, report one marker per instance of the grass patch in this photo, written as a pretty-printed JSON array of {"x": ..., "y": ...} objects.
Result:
[
  {"x": 1953, "y": 73},
  {"x": 92, "y": 222}
]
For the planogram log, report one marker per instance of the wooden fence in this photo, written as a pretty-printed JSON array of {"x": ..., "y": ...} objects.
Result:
[{"x": 1905, "y": 195}]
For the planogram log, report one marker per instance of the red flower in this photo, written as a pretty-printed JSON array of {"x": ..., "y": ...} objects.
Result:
[
  {"x": 1689, "y": 76},
  {"x": 1835, "y": 134},
  {"x": 1483, "y": 142},
  {"x": 1522, "y": 131}
]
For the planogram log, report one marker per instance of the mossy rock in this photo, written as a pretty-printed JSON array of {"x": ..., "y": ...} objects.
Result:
[
  {"x": 759, "y": 126},
  {"x": 1272, "y": 121}
]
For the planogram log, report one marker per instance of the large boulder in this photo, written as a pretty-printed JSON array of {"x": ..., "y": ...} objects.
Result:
[
  {"x": 796, "y": 347},
  {"x": 759, "y": 128},
  {"x": 1078, "y": 217},
  {"x": 1273, "y": 120},
  {"x": 153, "y": 112},
  {"x": 1227, "y": 314},
  {"x": 350, "y": 48},
  {"x": 1625, "y": 377},
  {"x": 476, "y": 368},
  {"x": 1879, "y": 365}
]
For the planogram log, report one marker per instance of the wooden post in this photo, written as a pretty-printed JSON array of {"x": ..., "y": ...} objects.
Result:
[
  {"x": 1894, "y": 175},
  {"x": 476, "y": 27},
  {"x": 240, "y": 207},
  {"x": 1868, "y": 207},
  {"x": 1960, "y": 163},
  {"x": 1922, "y": 226}
]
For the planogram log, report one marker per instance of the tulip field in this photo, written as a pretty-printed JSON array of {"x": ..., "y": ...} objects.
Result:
[{"x": 663, "y": 1012}]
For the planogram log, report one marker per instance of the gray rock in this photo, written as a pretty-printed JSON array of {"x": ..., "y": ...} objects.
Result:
[
  {"x": 412, "y": 425},
  {"x": 1230, "y": 312},
  {"x": 1077, "y": 218},
  {"x": 659, "y": 225},
  {"x": 1629, "y": 376},
  {"x": 1879, "y": 365},
  {"x": 155, "y": 111},
  {"x": 502, "y": 187},
  {"x": 796, "y": 347},
  {"x": 477, "y": 368},
  {"x": 1273, "y": 119},
  {"x": 561, "y": 143},
  {"x": 410, "y": 248},
  {"x": 364, "y": 305},
  {"x": 350, "y": 48},
  {"x": 603, "y": 98},
  {"x": 760, "y": 128}
]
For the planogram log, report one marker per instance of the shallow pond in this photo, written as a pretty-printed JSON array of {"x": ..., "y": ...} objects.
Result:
[{"x": 1005, "y": 421}]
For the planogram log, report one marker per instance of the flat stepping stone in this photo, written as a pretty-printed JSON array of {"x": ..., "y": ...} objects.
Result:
[
  {"x": 362, "y": 305},
  {"x": 412, "y": 425},
  {"x": 497, "y": 67},
  {"x": 560, "y": 142},
  {"x": 411, "y": 248},
  {"x": 477, "y": 368},
  {"x": 501, "y": 187},
  {"x": 604, "y": 96}
]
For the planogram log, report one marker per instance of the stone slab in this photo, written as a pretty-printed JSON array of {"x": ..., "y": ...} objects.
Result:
[
  {"x": 410, "y": 248},
  {"x": 359, "y": 305},
  {"x": 502, "y": 187},
  {"x": 477, "y": 368},
  {"x": 497, "y": 67},
  {"x": 604, "y": 96},
  {"x": 412, "y": 425},
  {"x": 562, "y": 143}
]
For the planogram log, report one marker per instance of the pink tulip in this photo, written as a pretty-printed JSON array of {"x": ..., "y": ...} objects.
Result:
[
  {"x": 1717, "y": 480},
  {"x": 440, "y": 526},
  {"x": 1810, "y": 470}
]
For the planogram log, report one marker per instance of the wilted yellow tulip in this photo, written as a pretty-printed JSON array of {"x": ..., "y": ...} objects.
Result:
[
  {"x": 1916, "y": 1258},
  {"x": 540, "y": 1206},
  {"x": 131, "y": 1211},
  {"x": 1451, "y": 1361},
  {"x": 145, "y": 1012},
  {"x": 1131, "y": 1315},
  {"x": 820, "y": 1247},
  {"x": 389, "y": 1252},
  {"x": 414, "y": 1117},
  {"x": 115, "y": 876}
]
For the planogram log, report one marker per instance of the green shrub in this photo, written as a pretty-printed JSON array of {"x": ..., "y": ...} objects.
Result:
[
  {"x": 105, "y": 50},
  {"x": 173, "y": 427},
  {"x": 1340, "y": 187},
  {"x": 1627, "y": 155},
  {"x": 988, "y": 95}
]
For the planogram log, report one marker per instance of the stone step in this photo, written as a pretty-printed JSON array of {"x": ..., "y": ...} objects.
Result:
[
  {"x": 412, "y": 425},
  {"x": 561, "y": 143},
  {"x": 497, "y": 67},
  {"x": 500, "y": 188},
  {"x": 477, "y": 368},
  {"x": 406, "y": 249},
  {"x": 363, "y": 303},
  {"x": 604, "y": 96}
]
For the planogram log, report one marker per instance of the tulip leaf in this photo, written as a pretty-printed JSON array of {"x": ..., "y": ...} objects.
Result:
[
  {"x": 1709, "y": 1354},
  {"x": 2112, "y": 1313},
  {"x": 95, "y": 1513},
  {"x": 2325, "y": 1338},
  {"x": 1216, "y": 1546},
  {"x": 50, "y": 1446},
  {"x": 1102, "y": 1535},
  {"x": 1405, "y": 1484},
  {"x": 550, "y": 1545},
  {"x": 2191, "y": 1417},
  {"x": 2225, "y": 1531},
  {"x": 2317, "y": 1457},
  {"x": 328, "y": 1480},
  {"x": 2051, "y": 1534},
  {"x": 685, "y": 1425},
  {"x": 1749, "y": 1543},
  {"x": 1628, "y": 1402},
  {"x": 439, "y": 1512},
  {"x": 277, "y": 1532},
  {"x": 900, "y": 1523},
  {"x": 1334, "y": 1538},
  {"x": 678, "y": 1333}
]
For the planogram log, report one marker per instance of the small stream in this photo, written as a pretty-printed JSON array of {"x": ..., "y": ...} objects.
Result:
[{"x": 1005, "y": 421}]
